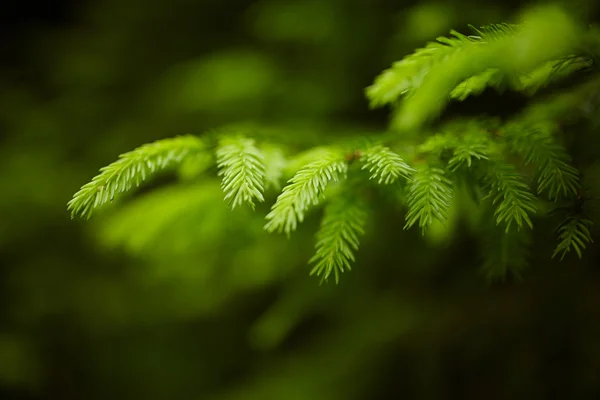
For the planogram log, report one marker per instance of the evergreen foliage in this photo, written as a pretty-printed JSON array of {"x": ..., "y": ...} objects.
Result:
[
  {"x": 471, "y": 148},
  {"x": 385, "y": 165},
  {"x": 514, "y": 199},
  {"x": 554, "y": 171},
  {"x": 499, "y": 160},
  {"x": 338, "y": 237},
  {"x": 304, "y": 190},
  {"x": 131, "y": 170},
  {"x": 574, "y": 234},
  {"x": 505, "y": 51},
  {"x": 430, "y": 197},
  {"x": 242, "y": 167}
]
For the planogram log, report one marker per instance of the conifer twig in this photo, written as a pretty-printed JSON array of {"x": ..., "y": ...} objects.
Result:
[
  {"x": 131, "y": 170},
  {"x": 243, "y": 170},
  {"x": 338, "y": 237},
  {"x": 430, "y": 197},
  {"x": 385, "y": 165},
  {"x": 305, "y": 190}
]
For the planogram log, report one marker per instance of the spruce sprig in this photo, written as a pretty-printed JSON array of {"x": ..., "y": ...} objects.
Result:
[
  {"x": 304, "y": 190},
  {"x": 526, "y": 58},
  {"x": 476, "y": 84},
  {"x": 385, "y": 165},
  {"x": 554, "y": 171},
  {"x": 242, "y": 167},
  {"x": 338, "y": 237},
  {"x": 512, "y": 53},
  {"x": 430, "y": 197},
  {"x": 573, "y": 234},
  {"x": 407, "y": 75},
  {"x": 552, "y": 71},
  {"x": 513, "y": 197},
  {"x": 131, "y": 169},
  {"x": 469, "y": 149}
]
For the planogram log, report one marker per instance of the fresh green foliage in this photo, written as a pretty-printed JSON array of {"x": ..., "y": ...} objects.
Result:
[
  {"x": 430, "y": 197},
  {"x": 423, "y": 165},
  {"x": 555, "y": 174},
  {"x": 304, "y": 190},
  {"x": 553, "y": 71},
  {"x": 338, "y": 237},
  {"x": 465, "y": 65},
  {"x": 385, "y": 165},
  {"x": 132, "y": 169},
  {"x": 475, "y": 85},
  {"x": 573, "y": 235},
  {"x": 242, "y": 166},
  {"x": 406, "y": 76},
  {"x": 511, "y": 194},
  {"x": 471, "y": 148}
]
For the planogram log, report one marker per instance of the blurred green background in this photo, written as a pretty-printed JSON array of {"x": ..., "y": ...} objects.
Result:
[{"x": 171, "y": 299}]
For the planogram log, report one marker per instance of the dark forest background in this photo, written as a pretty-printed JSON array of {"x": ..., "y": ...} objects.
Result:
[{"x": 235, "y": 315}]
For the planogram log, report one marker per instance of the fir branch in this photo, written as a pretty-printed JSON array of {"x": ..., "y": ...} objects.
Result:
[
  {"x": 430, "y": 197},
  {"x": 513, "y": 54},
  {"x": 385, "y": 165},
  {"x": 476, "y": 84},
  {"x": 513, "y": 196},
  {"x": 130, "y": 170},
  {"x": 553, "y": 169},
  {"x": 436, "y": 144},
  {"x": 241, "y": 165},
  {"x": 338, "y": 237},
  {"x": 468, "y": 149},
  {"x": 494, "y": 31},
  {"x": 407, "y": 74},
  {"x": 305, "y": 190},
  {"x": 552, "y": 71},
  {"x": 573, "y": 234}
]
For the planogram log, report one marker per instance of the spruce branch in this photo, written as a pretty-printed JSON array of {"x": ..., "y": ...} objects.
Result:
[
  {"x": 552, "y": 71},
  {"x": 474, "y": 85},
  {"x": 436, "y": 144},
  {"x": 574, "y": 233},
  {"x": 385, "y": 165},
  {"x": 338, "y": 236},
  {"x": 407, "y": 74},
  {"x": 470, "y": 148},
  {"x": 131, "y": 170},
  {"x": 514, "y": 54},
  {"x": 514, "y": 199},
  {"x": 430, "y": 197},
  {"x": 304, "y": 190},
  {"x": 241, "y": 165},
  {"x": 555, "y": 174}
]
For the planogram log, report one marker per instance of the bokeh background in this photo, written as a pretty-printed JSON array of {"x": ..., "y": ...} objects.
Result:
[{"x": 206, "y": 305}]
